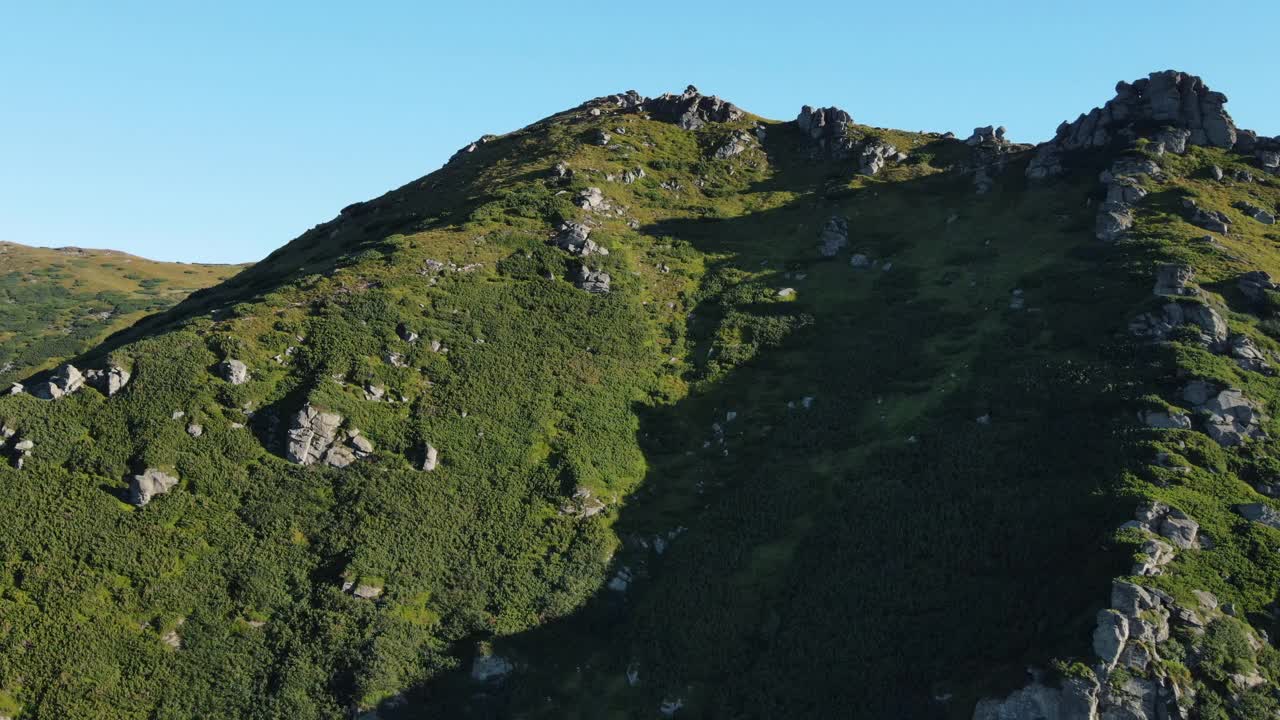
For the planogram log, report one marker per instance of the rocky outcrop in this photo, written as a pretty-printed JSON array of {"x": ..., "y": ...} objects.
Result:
[
  {"x": 583, "y": 504},
  {"x": 233, "y": 371},
  {"x": 1152, "y": 106},
  {"x": 575, "y": 238},
  {"x": 593, "y": 281},
  {"x": 1210, "y": 220},
  {"x": 1260, "y": 513},
  {"x": 991, "y": 153},
  {"x": 1247, "y": 355},
  {"x": 1255, "y": 212},
  {"x": 874, "y": 154},
  {"x": 148, "y": 484},
  {"x": 108, "y": 381},
  {"x": 312, "y": 434},
  {"x": 834, "y": 237},
  {"x": 738, "y": 143},
  {"x": 691, "y": 110},
  {"x": 1229, "y": 417},
  {"x": 1175, "y": 279},
  {"x": 21, "y": 450},
  {"x": 430, "y": 457},
  {"x": 827, "y": 130},
  {"x": 1157, "y": 325},
  {"x": 1255, "y": 285},
  {"x": 591, "y": 199},
  {"x": 1169, "y": 523},
  {"x": 67, "y": 379},
  {"x": 1123, "y": 191}
]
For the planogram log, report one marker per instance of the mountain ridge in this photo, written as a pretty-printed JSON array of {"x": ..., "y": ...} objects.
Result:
[{"x": 514, "y": 438}]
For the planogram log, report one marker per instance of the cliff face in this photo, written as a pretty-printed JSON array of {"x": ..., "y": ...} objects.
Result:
[{"x": 659, "y": 407}]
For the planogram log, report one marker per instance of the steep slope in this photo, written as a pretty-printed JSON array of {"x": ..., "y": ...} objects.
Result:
[
  {"x": 659, "y": 408},
  {"x": 60, "y": 302}
]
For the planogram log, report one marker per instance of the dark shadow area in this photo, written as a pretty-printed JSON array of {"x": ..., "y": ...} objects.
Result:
[{"x": 908, "y": 501}]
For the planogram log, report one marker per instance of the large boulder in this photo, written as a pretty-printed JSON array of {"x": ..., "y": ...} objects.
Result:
[
  {"x": 834, "y": 237},
  {"x": 1260, "y": 513},
  {"x": 149, "y": 483},
  {"x": 233, "y": 371},
  {"x": 64, "y": 381},
  {"x": 575, "y": 238},
  {"x": 312, "y": 433},
  {"x": 874, "y": 155},
  {"x": 1175, "y": 279},
  {"x": 108, "y": 381},
  {"x": 593, "y": 281}
]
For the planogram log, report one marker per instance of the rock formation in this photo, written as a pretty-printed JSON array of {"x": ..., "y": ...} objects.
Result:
[
  {"x": 691, "y": 110},
  {"x": 149, "y": 483}
]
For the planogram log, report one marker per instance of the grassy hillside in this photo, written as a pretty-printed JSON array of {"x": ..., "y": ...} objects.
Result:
[
  {"x": 751, "y": 480},
  {"x": 60, "y": 302}
]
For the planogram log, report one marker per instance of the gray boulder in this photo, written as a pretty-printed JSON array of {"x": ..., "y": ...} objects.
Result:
[
  {"x": 834, "y": 237},
  {"x": 575, "y": 238},
  {"x": 490, "y": 668},
  {"x": 1260, "y": 513},
  {"x": 593, "y": 281},
  {"x": 312, "y": 433},
  {"x": 108, "y": 381},
  {"x": 1255, "y": 212},
  {"x": 146, "y": 485},
  {"x": 233, "y": 371},
  {"x": 737, "y": 144},
  {"x": 874, "y": 155},
  {"x": 1175, "y": 279},
  {"x": 64, "y": 381},
  {"x": 430, "y": 457},
  {"x": 1255, "y": 285},
  {"x": 1165, "y": 420}
]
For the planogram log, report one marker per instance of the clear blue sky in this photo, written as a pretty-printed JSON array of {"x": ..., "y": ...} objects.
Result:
[{"x": 217, "y": 131}]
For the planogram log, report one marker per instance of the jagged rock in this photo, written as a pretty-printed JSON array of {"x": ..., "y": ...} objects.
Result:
[
  {"x": 1177, "y": 101},
  {"x": 338, "y": 456},
  {"x": 1247, "y": 355},
  {"x": 1231, "y": 418},
  {"x": 1155, "y": 555},
  {"x": 1136, "y": 700},
  {"x": 827, "y": 128},
  {"x": 1115, "y": 214},
  {"x": 360, "y": 443},
  {"x": 835, "y": 236},
  {"x": 601, "y": 138},
  {"x": 1269, "y": 161},
  {"x": 1259, "y": 513},
  {"x": 16, "y": 388},
  {"x": 593, "y": 281},
  {"x": 1213, "y": 329},
  {"x": 874, "y": 155},
  {"x": 312, "y": 434},
  {"x": 234, "y": 372},
  {"x": 575, "y": 238},
  {"x": 630, "y": 176},
  {"x": 1110, "y": 635},
  {"x": 591, "y": 198},
  {"x": 406, "y": 334},
  {"x": 151, "y": 482},
  {"x": 64, "y": 381},
  {"x": 462, "y": 153},
  {"x": 430, "y": 457},
  {"x": 195, "y": 430},
  {"x": 1124, "y": 190},
  {"x": 109, "y": 381},
  {"x": 1172, "y": 140},
  {"x": 737, "y": 144},
  {"x": 629, "y": 100},
  {"x": 583, "y": 504},
  {"x": 1175, "y": 279},
  {"x": 1215, "y": 172},
  {"x": 490, "y": 668},
  {"x": 860, "y": 261},
  {"x": 691, "y": 110},
  {"x": 1256, "y": 213},
  {"x": 985, "y": 135},
  {"x": 1255, "y": 285},
  {"x": 1046, "y": 163},
  {"x": 1210, "y": 220}
]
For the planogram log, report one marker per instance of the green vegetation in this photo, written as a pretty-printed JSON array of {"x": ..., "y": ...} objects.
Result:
[
  {"x": 890, "y": 486},
  {"x": 59, "y": 303}
]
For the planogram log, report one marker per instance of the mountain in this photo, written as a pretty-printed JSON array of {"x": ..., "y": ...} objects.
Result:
[
  {"x": 61, "y": 302},
  {"x": 658, "y": 408}
]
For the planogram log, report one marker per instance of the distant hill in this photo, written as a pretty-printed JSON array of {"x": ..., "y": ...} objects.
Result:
[
  {"x": 55, "y": 303},
  {"x": 657, "y": 408}
]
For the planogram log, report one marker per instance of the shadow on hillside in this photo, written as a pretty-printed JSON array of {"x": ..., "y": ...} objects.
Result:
[{"x": 877, "y": 549}]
